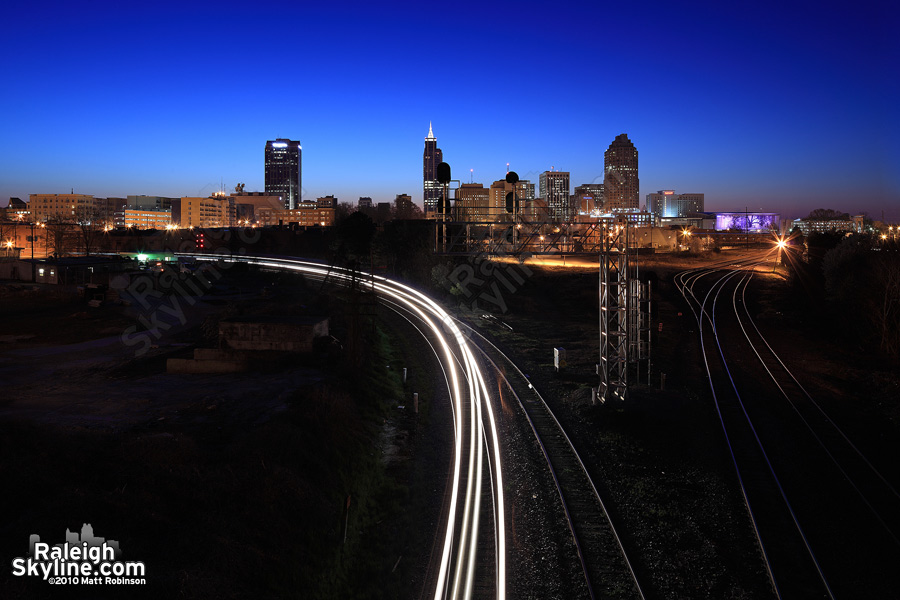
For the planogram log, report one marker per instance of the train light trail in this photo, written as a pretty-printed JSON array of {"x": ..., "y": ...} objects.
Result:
[{"x": 469, "y": 395}]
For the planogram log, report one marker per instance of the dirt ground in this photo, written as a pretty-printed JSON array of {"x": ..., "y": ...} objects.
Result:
[{"x": 226, "y": 486}]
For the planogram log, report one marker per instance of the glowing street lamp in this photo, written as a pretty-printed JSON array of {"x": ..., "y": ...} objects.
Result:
[
  {"x": 686, "y": 237},
  {"x": 780, "y": 244}
]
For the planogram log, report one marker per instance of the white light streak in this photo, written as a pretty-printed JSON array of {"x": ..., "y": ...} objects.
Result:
[{"x": 468, "y": 389}]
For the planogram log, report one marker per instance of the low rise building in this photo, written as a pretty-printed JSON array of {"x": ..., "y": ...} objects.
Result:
[
  {"x": 59, "y": 206},
  {"x": 808, "y": 226},
  {"x": 16, "y": 210},
  {"x": 146, "y": 218},
  {"x": 215, "y": 211},
  {"x": 256, "y": 208},
  {"x": 747, "y": 222},
  {"x": 311, "y": 214}
]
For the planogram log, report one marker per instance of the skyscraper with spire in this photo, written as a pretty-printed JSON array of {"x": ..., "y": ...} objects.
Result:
[
  {"x": 620, "y": 181},
  {"x": 431, "y": 158}
]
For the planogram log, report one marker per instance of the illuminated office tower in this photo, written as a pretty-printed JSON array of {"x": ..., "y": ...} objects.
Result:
[
  {"x": 666, "y": 204},
  {"x": 472, "y": 201},
  {"x": 283, "y": 171},
  {"x": 554, "y": 189},
  {"x": 620, "y": 183}
]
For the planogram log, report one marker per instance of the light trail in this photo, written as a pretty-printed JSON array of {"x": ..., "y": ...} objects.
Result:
[{"x": 469, "y": 393}]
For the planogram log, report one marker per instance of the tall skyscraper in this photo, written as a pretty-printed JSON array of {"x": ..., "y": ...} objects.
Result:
[
  {"x": 283, "y": 168},
  {"x": 554, "y": 188},
  {"x": 431, "y": 158},
  {"x": 620, "y": 182}
]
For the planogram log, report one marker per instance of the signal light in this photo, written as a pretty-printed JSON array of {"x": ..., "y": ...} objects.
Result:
[{"x": 443, "y": 173}]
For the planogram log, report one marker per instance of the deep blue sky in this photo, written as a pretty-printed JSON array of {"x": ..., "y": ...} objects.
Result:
[{"x": 782, "y": 107}]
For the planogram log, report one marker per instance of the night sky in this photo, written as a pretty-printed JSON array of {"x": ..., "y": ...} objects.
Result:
[{"x": 780, "y": 107}]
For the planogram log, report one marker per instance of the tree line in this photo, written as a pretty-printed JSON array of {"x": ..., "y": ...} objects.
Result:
[{"x": 852, "y": 281}]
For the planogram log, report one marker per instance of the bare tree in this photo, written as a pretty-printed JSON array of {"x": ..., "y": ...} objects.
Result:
[
  {"x": 827, "y": 214},
  {"x": 406, "y": 211},
  {"x": 889, "y": 319},
  {"x": 90, "y": 228},
  {"x": 342, "y": 211},
  {"x": 59, "y": 235}
]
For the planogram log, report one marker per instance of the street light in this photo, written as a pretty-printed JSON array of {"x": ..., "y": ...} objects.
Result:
[
  {"x": 685, "y": 237},
  {"x": 780, "y": 244}
]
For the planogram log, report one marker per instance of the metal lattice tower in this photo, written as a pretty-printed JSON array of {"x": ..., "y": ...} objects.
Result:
[
  {"x": 614, "y": 310},
  {"x": 624, "y": 312}
]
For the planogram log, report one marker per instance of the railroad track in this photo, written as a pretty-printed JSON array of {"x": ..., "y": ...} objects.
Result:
[
  {"x": 607, "y": 569},
  {"x": 871, "y": 486},
  {"x": 815, "y": 501}
]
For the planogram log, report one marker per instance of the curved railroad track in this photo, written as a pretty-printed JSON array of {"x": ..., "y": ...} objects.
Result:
[
  {"x": 607, "y": 568},
  {"x": 824, "y": 516}
]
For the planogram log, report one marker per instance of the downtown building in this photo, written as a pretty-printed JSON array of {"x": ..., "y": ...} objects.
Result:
[
  {"x": 145, "y": 212},
  {"x": 257, "y": 208},
  {"x": 145, "y": 218},
  {"x": 16, "y": 210},
  {"x": 666, "y": 204},
  {"x": 554, "y": 190},
  {"x": 75, "y": 208},
  {"x": 620, "y": 176},
  {"x": 432, "y": 189},
  {"x": 472, "y": 203},
  {"x": 283, "y": 171},
  {"x": 497, "y": 204},
  {"x": 810, "y": 226},
  {"x": 403, "y": 207},
  {"x": 317, "y": 213},
  {"x": 587, "y": 199},
  {"x": 217, "y": 210}
]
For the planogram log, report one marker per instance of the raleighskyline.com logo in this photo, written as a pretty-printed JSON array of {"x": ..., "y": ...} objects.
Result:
[{"x": 81, "y": 560}]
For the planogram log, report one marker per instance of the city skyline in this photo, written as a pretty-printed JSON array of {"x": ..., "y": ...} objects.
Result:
[{"x": 745, "y": 105}]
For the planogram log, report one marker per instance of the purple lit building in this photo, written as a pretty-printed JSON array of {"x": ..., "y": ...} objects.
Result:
[{"x": 750, "y": 222}]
